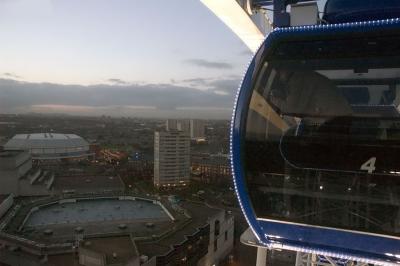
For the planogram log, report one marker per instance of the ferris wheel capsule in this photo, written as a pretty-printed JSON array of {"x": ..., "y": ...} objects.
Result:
[{"x": 315, "y": 141}]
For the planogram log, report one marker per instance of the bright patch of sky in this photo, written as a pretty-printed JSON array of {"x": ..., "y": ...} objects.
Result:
[{"x": 92, "y": 41}]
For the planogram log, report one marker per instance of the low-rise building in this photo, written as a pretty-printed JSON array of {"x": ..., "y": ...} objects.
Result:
[
  {"x": 187, "y": 233},
  {"x": 211, "y": 168}
]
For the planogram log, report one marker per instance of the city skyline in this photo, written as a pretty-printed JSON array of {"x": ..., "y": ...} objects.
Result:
[{"x": 175, "y": 60}]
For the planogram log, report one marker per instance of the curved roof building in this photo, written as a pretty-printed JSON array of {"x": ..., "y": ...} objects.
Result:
[{"x": 50, "y": 145}]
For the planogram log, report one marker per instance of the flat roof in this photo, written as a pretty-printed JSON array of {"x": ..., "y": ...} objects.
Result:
[
  {"x": 96, "y": 210},
  {"x": 100, "y": 220}
]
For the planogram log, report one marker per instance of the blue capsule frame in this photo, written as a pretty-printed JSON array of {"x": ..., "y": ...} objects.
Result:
[{"x": 345, "y": 244}]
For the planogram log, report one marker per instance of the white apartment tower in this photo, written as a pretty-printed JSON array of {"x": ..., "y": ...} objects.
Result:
[
  {"x": 171, "y": 158},
  {"x": 194, "y": 127},
  {"x": 197, "y": 129},
  {"x": 171, "y": 124},
  {"x": 184, "y": 125},
  {"x": 180, "y": 125}
]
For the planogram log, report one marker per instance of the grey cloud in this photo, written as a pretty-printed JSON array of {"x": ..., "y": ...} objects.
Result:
[
  {"x": 197, "y": 80},
  {"x": 167, "y": 99},
  {"x": 117, "y": 81},
  {"x": 208, "y": 64},
  {"x": 227, "y": 85},
  {"x": 11, "y": 75}
]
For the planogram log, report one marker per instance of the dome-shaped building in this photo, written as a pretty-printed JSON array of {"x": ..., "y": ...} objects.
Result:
[{"x": 44, "y": 146}]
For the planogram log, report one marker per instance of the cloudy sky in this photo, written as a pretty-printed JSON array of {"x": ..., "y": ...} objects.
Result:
[{"x": 122, "y": 57}]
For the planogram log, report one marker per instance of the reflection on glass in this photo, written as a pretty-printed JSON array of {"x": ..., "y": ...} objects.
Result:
[{"x": 322, "y": 139}]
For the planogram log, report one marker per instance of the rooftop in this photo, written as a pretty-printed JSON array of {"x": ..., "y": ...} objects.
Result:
[
  {"x": 45, "y": 140},
  {"x": 200, "y": 214},
  {"x": 95, "y": 210},
  {"x": 44, "y": 136},
  {"x": 123, "y": 247},
  {"x": 97, "y": 216}
]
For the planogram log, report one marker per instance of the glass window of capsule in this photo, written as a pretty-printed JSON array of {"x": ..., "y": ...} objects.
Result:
[{"x": 322, "y": 134}]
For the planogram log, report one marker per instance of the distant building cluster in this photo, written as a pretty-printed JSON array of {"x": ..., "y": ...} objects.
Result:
[{"x": 195, "y": 128}]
